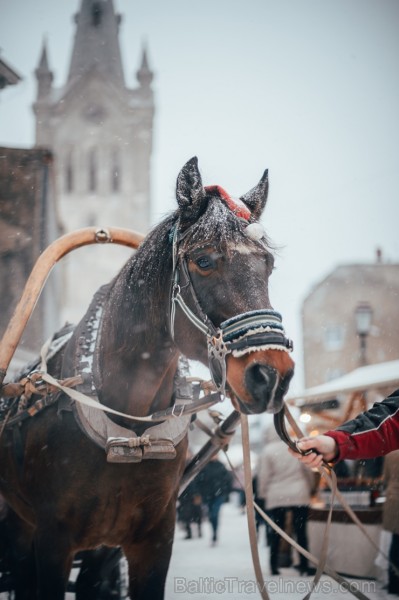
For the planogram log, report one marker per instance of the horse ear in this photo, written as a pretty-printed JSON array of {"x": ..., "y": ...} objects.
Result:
[
  {"x": 256, "y": 198},
  {"x": 190, "y": 192}
]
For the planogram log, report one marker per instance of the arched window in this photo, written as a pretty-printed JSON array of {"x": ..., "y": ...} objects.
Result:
[
  {"x": 96, "y": 13},
  {"x": 92, "y": 170},
  {"x": 69, "y": 173},
  {"x": 115, "y": 171}
]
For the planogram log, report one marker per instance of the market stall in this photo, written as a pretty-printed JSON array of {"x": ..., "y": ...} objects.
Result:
[{"x": 349, "y": 551}]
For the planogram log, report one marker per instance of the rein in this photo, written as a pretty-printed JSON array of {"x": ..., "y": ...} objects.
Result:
[
  {"x": 329, "y": 476},
  {"x": 219, "y": 439},
  {"x": 247, "y": 332}
]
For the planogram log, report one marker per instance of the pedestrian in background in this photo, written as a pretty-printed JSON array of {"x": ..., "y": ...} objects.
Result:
[
  {"x": 285, "y": 485},
  {"x": 214, "y": 483},
  {"x": 190, "y": 509}
]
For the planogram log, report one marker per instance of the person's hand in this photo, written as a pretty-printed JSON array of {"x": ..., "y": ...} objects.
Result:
[{"x": 325, "y": 446}]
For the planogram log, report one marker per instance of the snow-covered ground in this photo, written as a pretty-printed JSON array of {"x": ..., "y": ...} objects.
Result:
[{"x": 199, "y": 571}]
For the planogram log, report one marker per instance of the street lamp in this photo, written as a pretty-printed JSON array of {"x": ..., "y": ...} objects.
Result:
[{"x": 363, "y": 314}]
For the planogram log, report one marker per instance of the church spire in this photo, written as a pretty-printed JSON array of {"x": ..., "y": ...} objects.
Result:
[
  {"x": 144, "y": 74},
  {"x": 96, "y": 43},
  {"x": 43, "y": 74}
]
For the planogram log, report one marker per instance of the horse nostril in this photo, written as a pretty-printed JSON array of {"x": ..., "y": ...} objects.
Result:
[
  {"x": 261, "y": 374},
  {"x": 261, "y": 381}
]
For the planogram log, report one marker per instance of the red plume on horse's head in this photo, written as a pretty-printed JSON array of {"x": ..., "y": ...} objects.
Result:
[{"x": 236, "y": 205}]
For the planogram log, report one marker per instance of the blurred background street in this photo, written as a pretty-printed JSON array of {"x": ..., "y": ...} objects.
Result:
[{"x": 201, "y": 571}]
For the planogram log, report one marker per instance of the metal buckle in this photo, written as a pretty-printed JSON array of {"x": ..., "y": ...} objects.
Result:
[
  {"x": 175, "y": 291},
  {"x": 37, "y": 382},
  {"x": 217, "y": 351},
  {"x": 178, "y": 410}
]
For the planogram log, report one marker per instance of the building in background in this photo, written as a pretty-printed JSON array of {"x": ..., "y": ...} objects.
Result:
[
  {"x": 28, "y": 224},
  {"x": 8, "y": 76},
  {"x": 351, "y": 319},
  {"x": 100, "y": 133}
]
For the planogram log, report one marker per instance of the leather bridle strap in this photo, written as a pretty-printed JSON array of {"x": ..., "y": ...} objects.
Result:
[
  {"x": 200, "y": 320},
  {"x": 243, "y": 333},
  {"x": 177, "y": 297},
  {"x": 207, "y": 324}
]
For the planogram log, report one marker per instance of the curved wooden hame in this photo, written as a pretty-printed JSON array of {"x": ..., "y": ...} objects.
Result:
[{"x": 43, "y": 266}]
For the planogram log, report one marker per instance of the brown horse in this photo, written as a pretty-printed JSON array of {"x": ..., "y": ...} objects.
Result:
[{"x": 197, "y": 286}]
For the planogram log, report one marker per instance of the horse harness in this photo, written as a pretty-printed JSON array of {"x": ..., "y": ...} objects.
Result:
[
  {"x": 243, "y": 333},
  {"x": 166, "y": 428},
  {"x": 253, "y": 330}
]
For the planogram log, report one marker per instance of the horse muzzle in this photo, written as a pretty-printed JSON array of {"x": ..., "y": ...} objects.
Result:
[
  {"x": 266, "y": 387},
  {"x": 260, "y": 381}
]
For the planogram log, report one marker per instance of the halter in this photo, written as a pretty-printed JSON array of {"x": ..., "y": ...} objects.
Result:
[{"x": 247, "y": 332}]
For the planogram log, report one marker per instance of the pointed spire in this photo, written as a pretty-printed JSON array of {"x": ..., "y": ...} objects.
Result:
[
  {"x": 43, "y": 74},
  {"x": 144, "y": 74},
  {"x": 96, "y": 44},
  {"x": 43, "y": 62}
]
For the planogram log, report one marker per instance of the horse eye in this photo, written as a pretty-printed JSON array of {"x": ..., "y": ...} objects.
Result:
[{"x": 204, "y": 262}]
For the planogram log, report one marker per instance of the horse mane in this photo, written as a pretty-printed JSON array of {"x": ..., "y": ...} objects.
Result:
[
  {"x": 143, "y": 285},
  {"x": 137, "y": 291}
]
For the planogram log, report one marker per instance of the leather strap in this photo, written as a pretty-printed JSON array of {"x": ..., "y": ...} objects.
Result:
[
  {"x": 249, "y": 499},
  {"x": 321, "y": 562}
]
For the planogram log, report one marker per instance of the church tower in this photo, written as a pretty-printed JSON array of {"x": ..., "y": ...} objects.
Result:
[{"x": 100, "y": 132}]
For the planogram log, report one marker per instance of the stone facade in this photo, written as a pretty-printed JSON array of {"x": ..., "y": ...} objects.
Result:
[
  {"x": 28, "y": 224},
  {"x": 101, "y": 135},
  {"x": 330, "y": 342}
]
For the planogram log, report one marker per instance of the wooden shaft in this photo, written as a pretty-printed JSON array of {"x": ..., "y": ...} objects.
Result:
[{"x": 44, "y": 264}]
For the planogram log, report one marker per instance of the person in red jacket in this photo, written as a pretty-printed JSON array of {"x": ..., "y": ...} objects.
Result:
[{"x": 371, "y": 434}]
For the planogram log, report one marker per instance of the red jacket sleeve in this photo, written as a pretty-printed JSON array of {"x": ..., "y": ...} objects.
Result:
[{"x": 372, "y": 433}]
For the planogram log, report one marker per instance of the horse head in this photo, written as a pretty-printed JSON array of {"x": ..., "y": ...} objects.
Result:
[{"x": 222, "y": 263}]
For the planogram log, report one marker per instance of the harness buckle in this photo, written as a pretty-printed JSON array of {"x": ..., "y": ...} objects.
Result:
[
  {"x": 175, "y": 292},
  {"x": 217, "y": 351},
  {"x": 178, "y": 410}
]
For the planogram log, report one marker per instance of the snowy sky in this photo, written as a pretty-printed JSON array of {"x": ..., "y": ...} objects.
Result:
[{"x": 307, "y": 88}]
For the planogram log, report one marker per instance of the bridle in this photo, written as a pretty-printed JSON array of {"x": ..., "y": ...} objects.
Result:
[{"x": 253, "y": 330}]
